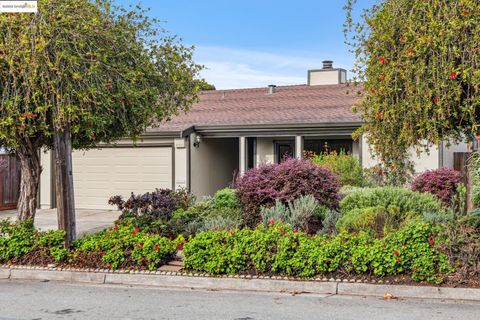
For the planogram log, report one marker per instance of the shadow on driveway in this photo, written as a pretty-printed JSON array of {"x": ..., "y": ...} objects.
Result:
[{"x": 88, "y": 221}]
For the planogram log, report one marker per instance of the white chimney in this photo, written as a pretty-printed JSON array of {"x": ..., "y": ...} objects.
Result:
[{"x": 328, "y": 75}]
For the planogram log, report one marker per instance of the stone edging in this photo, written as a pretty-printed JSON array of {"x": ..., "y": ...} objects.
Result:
[{"x": 240, "y": 283}]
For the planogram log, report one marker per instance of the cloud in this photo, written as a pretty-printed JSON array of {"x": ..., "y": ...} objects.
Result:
[{"x": 228, "y": 68}]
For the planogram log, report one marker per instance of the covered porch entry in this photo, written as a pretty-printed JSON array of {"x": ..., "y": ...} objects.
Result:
[{"x": 219, "y": 155}]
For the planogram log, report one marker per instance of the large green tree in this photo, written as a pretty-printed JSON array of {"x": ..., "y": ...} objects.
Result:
[
  {"x": 419, "y": 65},
  {"x": 102, "y": 71}
]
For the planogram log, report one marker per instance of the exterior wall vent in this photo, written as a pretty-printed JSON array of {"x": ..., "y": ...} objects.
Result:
[{"x": 272, "y": 89}]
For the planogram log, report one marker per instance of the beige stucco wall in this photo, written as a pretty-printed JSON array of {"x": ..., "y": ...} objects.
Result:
[
  {"x": 356, "y": 148},
  {"x": 181, "y": 163},
  {"x": 46, "y": 180},
  {"x": 324, "y": 77},
  {"x": 213, "y": 165},
  {"x": 422, "y": 162},
  {"x": 265, "y": 151}
]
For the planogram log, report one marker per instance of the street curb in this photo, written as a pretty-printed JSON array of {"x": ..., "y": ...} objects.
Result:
[
  {"x": 68, "y": 276},
  {"x": 402, "y": 291},
  {"x": 4, "y": 273},
  {"x": 210, "y": 283},
  {"x": 235, "y": 283}
]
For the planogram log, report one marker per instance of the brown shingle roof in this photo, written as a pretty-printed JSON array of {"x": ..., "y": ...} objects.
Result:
[{"x": 289, "y": 105}]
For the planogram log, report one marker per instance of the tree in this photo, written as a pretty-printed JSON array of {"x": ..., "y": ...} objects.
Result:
[
  {"x": 205, "y": 86},
  {"x": 419, "y": 65},
  {"x": 103, "y": 72}
]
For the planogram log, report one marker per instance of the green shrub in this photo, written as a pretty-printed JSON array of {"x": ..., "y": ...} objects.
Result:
[
  {"x": 329, "y": 223},
  {"x": 347, "y": 167},
  {"x": 220, "y": 222},
  {"x": 279, "y": 249},
  {"x": 406, "y": 200},
  {"x": 298, "y": 213},
  {"x": 18, "y": 239},
  {"x": 124, "y": 241},
  {"x": 226, "y": 198},
  {"x": 380, "y": 220},
  {"x": 475, "y": 169},
  {"x": 346, "y": 190}
]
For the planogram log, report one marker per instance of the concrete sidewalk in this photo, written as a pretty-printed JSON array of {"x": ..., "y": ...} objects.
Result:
[{"x": 88, "y": 221}]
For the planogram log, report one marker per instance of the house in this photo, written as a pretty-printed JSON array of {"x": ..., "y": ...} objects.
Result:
[{"x": 224, "y": 134}]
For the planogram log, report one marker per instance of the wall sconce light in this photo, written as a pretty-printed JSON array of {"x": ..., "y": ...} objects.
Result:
[{"x": 197, "y": 141}]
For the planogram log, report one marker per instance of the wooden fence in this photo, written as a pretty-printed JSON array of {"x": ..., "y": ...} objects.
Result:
[{"x": 9, "y": 182}]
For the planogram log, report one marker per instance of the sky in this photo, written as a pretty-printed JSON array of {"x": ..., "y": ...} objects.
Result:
[{"x": 254, "y": 43}]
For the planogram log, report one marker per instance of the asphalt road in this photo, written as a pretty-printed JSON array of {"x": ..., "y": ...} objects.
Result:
[{"x": 49, "y": 300}]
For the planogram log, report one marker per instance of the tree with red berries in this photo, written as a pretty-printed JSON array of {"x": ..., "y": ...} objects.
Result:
[
  {"x": 99, "y": 71},
  {"x": 419, "y": 65}
]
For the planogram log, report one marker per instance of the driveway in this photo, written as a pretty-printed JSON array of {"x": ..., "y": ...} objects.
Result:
[{"x": 88, "y": 221}]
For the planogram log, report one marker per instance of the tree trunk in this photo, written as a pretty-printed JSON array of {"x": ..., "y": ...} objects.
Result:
[
  {"x": 64, "y": 185},
  {"x": 29, "y": 180}
]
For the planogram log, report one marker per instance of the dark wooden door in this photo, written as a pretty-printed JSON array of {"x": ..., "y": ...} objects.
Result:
[{"x": 9, "y": 182}]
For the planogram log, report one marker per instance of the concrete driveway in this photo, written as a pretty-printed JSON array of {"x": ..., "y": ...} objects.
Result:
[{"x": 88, "y": 221}]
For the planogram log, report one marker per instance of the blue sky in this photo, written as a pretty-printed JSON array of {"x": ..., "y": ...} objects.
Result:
[{"x": 252, "y": 43}]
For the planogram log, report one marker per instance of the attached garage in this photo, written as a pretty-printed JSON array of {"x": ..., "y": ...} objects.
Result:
[{"x": 101, "y": 173}]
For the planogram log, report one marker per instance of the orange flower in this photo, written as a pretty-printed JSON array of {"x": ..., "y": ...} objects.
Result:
[{"x": 382, "y": 59}]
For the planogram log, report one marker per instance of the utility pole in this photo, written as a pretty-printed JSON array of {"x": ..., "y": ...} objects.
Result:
[{"x": 64, "y": 184}]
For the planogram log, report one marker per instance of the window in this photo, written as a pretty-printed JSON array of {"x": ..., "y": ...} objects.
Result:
[
  {"x": 284, "y": 150},
  {"x": 318, "y": 146}
]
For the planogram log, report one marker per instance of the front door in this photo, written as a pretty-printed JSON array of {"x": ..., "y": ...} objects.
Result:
[{"x": 284, "y": 150}]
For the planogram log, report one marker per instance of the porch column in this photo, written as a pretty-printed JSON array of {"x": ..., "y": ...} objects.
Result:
[
  {"x": 243, "y": 155},
  {"x": 299, "y": 147}
]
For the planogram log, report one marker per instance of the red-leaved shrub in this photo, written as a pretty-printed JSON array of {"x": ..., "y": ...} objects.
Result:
[
  {"x": 441, "y": 182},
  {"x": 286, "y": 181}
]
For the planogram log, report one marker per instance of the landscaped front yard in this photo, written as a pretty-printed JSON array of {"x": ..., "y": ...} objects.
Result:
[{"x": 319, "y": 217}]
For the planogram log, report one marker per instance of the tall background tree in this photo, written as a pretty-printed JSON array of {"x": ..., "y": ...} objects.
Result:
[
  {"x": 102, "y": 71},
  {"x": 419, "y": 65}
]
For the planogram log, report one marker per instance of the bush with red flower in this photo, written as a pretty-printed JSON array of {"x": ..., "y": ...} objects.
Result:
[
  {"x": 442, "y": 183},
  {"x": 280, "y": 249},
  {"x": 285, "y": 182},
  {"x": 126, "y": 245}
]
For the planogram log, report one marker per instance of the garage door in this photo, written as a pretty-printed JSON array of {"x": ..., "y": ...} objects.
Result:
[{"x": 100, "y": 174}]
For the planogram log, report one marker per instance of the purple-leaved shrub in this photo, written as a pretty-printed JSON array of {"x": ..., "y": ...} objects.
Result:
[
  {"x": 441, "y": 182},
  {"x": 286, "y": 181}
]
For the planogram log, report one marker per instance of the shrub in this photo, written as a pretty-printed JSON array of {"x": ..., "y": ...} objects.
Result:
[
  {"x": 204, "y": 216},
  {"x": 406, "y": 200},
  {"x": 441, "y": 182},
  {"x": 279, "y": 249},
  {"x": 298, "y": 213},
  {"x": 380, "y": 220},
  {"x": 461, "y": 238},
  {"x": 329, "y": 223},
  {"x": 286, "y": 181},
  {"x": 125, "y": 244},
  {"x": 153, "y": 211},
  {"x": 347, "y": 167},
  {"x": 475, "y": 169},
  {"x": 226, "y": 198},
  {"x": 220, "y": 222},
  {"x": 381, "y": 176},
  {"x": 18, "y": 239}
]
